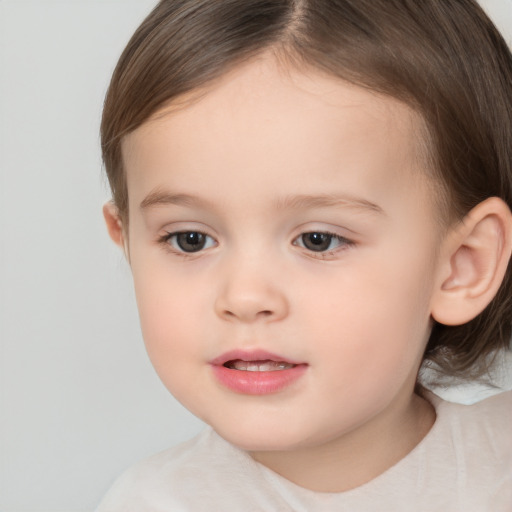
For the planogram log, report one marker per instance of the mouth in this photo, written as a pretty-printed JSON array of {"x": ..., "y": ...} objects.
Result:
[
  {"x": 257, "y": 360},
  {"x": 256, "y": 372},
  {"x": 266, "y": 365}
]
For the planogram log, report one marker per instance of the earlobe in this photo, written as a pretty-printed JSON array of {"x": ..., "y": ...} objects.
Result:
[
  {"x": 474, "y": 261},
  {"x": 114, "y": 224}
]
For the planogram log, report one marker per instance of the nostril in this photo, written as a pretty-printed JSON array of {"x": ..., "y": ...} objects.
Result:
[
  {"x": 264, "y": 313},
  {"x": 240, "y": 305}
]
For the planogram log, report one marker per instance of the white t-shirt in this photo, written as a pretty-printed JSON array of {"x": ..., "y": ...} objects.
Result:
[{"x": 464, "y": 464}]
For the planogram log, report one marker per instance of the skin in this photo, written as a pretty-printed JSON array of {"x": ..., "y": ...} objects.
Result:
[{"x": 358, "y": 314}]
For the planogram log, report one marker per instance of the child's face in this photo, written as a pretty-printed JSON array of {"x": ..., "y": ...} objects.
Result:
[{"x": 307, "y": 232}]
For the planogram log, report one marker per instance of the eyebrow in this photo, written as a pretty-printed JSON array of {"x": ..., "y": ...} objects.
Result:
[
  {"x": 295, "y": 202},
  {"x": 163, "y": 198},
  {"x": 305, "y": 201}
]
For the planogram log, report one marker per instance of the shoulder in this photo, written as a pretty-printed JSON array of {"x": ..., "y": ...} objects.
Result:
[
  {"x": 192, "y": 476},
  {"x": 466, "y": 458},
  {"x": 494, "y": 411},
  {"x": 498, "y": 406},
  {"x": 494, "y": 415},
  {"x": 160, "y": 480},
  {"x": 482, "y": 431}
]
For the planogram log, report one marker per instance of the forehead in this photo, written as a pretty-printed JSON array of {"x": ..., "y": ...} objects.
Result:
[{"x": 262, "y": 118}]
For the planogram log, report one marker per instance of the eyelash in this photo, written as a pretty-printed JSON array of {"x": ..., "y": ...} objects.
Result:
[
  {"x": 344, "y": 243},
  {"x": 166, "y": 240}
]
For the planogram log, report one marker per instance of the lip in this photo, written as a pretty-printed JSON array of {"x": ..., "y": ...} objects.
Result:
[
  {"x": 251, "y": 355},
  {"x": 256, "y": 383}
]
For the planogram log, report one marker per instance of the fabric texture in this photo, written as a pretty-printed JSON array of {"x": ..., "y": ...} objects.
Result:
[{"x": 464, "y": 464}]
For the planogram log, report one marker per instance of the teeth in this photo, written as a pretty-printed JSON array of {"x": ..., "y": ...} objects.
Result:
[{"x": 258, "y": 366}]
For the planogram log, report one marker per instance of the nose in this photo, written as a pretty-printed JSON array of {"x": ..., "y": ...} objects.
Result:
[{"x": 250, "y": 295}]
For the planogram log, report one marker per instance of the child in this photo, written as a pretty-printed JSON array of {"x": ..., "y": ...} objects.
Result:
[{"x": 313, "y": 197}]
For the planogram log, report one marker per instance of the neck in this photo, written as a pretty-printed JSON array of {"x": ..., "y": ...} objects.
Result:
[{"x": 359, "y": 456}]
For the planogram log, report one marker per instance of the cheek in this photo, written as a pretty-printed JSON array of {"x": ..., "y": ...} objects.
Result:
[
  {"x": 173, "y": 337},
  {"x": 373, "y": 320},
  {"x": 169, "y": 308}
]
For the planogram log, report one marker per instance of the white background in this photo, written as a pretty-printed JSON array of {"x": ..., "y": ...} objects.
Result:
[{"x": 78, "y": 399}]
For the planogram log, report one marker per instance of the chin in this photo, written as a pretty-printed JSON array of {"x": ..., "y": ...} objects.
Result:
[{"x": 257, "y": 438}]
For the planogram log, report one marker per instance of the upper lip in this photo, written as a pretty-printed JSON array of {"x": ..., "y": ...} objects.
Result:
[{"x": 251, "y": 355}]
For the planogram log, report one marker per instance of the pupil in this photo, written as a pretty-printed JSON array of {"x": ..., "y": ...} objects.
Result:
[
  {"x": 191, "y": 241},
  {"x": 317, "y": 241}
]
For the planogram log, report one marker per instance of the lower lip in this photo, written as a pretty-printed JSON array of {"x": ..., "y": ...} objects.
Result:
[{"x": 257, "y": 383}]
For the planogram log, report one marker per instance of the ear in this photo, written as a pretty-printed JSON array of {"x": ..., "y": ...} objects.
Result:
[
  {"x": 114, "y": 225},
  {"x": 474, "y": 259}
]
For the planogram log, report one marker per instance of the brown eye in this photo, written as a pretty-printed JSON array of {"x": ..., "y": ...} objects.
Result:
[
  {"x": 317, "y": 242},
  {"x": 322, "y": 241},
  {"x": 189, "y": 241}
]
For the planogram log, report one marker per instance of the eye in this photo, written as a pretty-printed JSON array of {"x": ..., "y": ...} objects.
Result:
[
  {"x": 318, "y": 241},
  {"x": 189, "y": 241}
]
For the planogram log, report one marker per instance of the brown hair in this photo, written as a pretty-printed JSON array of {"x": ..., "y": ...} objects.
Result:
[{"x": 444, "y": 58}]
